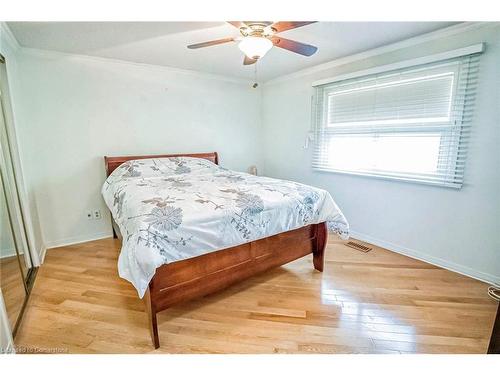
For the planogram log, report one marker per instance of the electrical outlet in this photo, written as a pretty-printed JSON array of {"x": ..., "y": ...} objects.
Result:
[
  {"x": 97, "y": 214},
  {"x": 89, "y": 215}
]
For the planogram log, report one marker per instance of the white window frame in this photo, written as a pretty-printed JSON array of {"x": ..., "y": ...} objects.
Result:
[{"x": 320, "y": 115}]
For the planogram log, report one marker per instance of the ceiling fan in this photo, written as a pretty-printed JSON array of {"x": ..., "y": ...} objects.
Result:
[{"x": 258, "y": 37}]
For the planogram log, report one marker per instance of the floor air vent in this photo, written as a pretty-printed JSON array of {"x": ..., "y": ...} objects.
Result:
[{"x": 358, "y": 246}]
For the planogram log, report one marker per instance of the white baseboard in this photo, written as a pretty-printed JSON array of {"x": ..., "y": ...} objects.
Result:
[
  {"x": 451, "y": 266},
  {"x": 76, "y": 240}
]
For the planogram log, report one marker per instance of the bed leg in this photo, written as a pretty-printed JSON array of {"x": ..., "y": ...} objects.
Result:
[
  {"x": 319, "y": 246},
  {"x": 113, "y": 228},
  {"x": 153, "y": 323}
]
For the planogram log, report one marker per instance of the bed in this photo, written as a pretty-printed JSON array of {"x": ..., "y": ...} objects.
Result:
[{"x": 190, "y": 227}]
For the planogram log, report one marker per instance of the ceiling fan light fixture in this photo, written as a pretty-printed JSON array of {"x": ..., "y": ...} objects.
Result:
[{"x": 255, "y": 47}]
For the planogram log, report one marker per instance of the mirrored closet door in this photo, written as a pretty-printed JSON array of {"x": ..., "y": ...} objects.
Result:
[
  {"x": 16, "y": 271},
  {"x": 12, "y": 269}
]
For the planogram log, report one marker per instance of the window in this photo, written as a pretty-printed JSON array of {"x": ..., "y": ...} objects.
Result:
[{"x": 408, "y": 124}]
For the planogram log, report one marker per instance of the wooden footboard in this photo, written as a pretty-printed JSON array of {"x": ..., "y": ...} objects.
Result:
[{"x": 191, "y": 278}]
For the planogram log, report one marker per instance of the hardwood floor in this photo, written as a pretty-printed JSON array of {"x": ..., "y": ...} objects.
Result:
[{"x": 376, "y": 302}]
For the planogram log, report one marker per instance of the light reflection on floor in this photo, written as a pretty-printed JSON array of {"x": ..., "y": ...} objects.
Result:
[{"x": 373, "y": 322}]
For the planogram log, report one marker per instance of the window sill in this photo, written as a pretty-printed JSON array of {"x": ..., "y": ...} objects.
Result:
[{"x": 452, "y": 185}]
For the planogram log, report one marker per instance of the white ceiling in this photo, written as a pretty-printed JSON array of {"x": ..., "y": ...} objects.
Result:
[{"x": 164, "y": 43}]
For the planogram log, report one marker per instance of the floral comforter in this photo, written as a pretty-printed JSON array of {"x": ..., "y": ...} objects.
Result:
[{"x": 171, "y": 209}]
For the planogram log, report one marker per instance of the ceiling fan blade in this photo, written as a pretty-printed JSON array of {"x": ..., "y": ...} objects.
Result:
[
  {"x": 288, "y": 25},
  {"x": 210, "y": 43},
  {"x": 248, "y": 61},
  {"x": 292, "y": 45}
]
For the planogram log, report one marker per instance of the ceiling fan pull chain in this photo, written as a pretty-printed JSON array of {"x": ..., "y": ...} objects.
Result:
[{"x": 256, "y": 84}]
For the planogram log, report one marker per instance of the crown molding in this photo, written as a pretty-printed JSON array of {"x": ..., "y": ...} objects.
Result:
[
  {"x": 11, "y": 39},
  {"x": 160, "y": 68},
  {"x": 419, "y": 39}
]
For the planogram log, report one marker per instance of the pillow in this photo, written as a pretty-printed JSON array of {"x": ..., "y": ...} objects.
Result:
[{"x": 161, "y": 167}]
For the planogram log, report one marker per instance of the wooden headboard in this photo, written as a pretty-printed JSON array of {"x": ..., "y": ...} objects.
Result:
[{"x": 113, "y": 162}]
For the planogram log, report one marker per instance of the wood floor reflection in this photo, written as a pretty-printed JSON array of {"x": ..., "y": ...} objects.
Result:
[
  {"x": 376, "y": 302},
  {"x": 11, "y": 281}
]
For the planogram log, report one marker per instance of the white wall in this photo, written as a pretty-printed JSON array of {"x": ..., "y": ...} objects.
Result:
[
  {"x": 77, "y": 109},
  {"x": 459, "y": 229}
]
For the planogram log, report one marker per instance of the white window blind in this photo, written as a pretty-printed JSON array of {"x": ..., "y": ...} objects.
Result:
[{"x": 409, "y": 124}]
